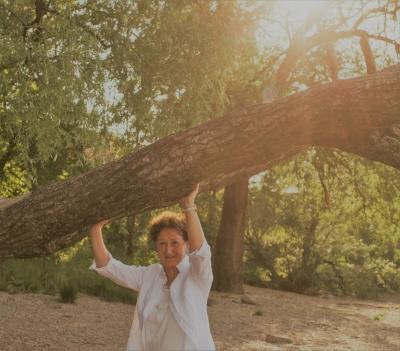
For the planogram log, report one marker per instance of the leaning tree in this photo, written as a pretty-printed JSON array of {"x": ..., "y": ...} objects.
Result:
[{"x": 360, "y": 116}]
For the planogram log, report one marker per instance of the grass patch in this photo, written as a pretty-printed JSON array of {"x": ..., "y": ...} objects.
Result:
[
  {"x": 258, "y": 313},
  {"x": 65, "y": 274}
]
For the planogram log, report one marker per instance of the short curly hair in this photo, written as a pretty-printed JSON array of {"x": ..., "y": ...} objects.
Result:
[{"x": 168, "y": 219}]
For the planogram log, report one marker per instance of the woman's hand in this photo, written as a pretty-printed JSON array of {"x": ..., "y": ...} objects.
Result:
[
  {"x": 95, "y": 228},
  {"x": 188, "y": 200}
]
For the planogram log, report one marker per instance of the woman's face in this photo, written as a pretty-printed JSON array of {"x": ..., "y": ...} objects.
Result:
[{"x": 171, "y": 247}]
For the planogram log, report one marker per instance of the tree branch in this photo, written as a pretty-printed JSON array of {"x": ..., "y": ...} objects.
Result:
[
  {"x": 383, "y": 9},
  {"x": 368, "y": 55},
  {"x": 298, "y": 49},
  {"x": 85, "y": 28}
]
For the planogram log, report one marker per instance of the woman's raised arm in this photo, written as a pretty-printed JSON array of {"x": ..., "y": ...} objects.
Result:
[
  {"x": 100, "y": 252},
  {"x": 193, "y": 225}
]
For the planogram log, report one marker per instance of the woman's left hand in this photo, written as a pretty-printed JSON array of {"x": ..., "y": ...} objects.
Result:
[{"x": 188, "y": 200}]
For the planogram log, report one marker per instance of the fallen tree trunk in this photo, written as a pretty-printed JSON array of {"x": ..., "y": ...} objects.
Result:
[{"x": 361, "y": 116}]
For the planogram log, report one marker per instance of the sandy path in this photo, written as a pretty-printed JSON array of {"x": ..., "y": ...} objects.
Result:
[{"x": 288, "y": 322}]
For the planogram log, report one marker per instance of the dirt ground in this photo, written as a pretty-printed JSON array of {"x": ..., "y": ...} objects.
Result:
[{"x": 278, "y": 321}]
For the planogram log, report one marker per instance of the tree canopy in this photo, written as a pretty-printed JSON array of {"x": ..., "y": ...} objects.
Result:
[{"x": 83, "y": 72}]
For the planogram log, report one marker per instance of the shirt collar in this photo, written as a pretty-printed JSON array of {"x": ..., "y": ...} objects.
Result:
[{"x": 182, "y": 266}]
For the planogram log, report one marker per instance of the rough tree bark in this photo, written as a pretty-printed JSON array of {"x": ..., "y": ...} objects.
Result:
[
  {"x": 228, "y": 258},
  {"x": 360, "y": 116}
]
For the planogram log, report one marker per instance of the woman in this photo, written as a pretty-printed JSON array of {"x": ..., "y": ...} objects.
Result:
[{"x": 171, "y": 309}]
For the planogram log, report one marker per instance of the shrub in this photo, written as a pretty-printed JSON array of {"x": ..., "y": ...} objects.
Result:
[
  {"x": 68, "y": 292},
  {"x": 258, "y": 313}
]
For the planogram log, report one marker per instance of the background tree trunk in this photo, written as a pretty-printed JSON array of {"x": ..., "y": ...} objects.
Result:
[
  {"x": 228, "y": 260},
  {"x": 132, "y": 235},
  {"x": 360, "y": 115}
]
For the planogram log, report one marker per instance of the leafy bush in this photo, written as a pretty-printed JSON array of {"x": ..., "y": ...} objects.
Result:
[
  {"x": 35, "y": 275},
  {"x": 258, "y": 313},
  {"x": 65, "y": 273},
  {"x": 68, "y": 292},
  {"x": 311, "y": 232}
]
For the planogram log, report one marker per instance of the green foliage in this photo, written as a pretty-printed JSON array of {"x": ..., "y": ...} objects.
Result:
[
  {"x": 86, "y": 78},
  {"x": 379, "y": 317},
  {"x": 68, "y": 292},
  {"x": 14, "y": 181},
  {"x": 37, "y": 275},
  {"x": 258, "y": 313},
  {"x": 326, "y": 221},
  {"x": 45, "y": 79},
  {"x": 65, "y": 274},
  {"x": 209, "y": 206}
]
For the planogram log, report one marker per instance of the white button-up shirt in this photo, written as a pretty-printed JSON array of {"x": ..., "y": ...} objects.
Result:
[
  {"x": 161, "y": 329},
  {"x": 189, "y": 294}
]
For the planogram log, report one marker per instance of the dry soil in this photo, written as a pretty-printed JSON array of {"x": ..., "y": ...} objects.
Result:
[{"x": 275, "y": 321}]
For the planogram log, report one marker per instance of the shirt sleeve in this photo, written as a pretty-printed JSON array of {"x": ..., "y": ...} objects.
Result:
[
  {"x": 128, "y": 276},
  {"x": 200, "y": 265}
]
